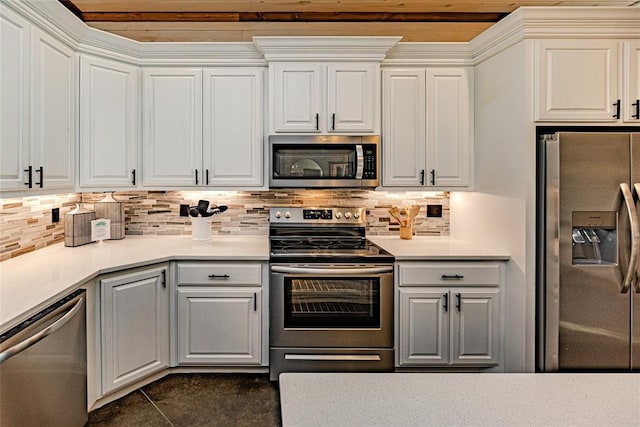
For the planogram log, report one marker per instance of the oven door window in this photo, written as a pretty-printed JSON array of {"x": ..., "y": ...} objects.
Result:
[
  {"x": 318, "y": 162},
  {"x": 332, "y": 302}
]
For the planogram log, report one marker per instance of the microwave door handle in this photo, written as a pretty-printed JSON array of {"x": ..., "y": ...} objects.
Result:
[
  {"x": 628, "y": 278},
  {"x": 360, "y": 161}
]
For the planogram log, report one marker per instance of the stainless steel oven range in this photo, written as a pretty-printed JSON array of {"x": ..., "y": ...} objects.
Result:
[{"x": 331, "y": 297}]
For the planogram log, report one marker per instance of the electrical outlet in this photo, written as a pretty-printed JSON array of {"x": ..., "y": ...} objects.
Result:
[
  {"x": 434, "y": 211},
  {"x": 55, "y": 215},
  {"x": 184, "y": 210}
]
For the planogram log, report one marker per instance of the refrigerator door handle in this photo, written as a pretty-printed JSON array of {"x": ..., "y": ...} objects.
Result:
[
  {"x": 636, "y": 188},
  {"x": 635, "y": 236}
]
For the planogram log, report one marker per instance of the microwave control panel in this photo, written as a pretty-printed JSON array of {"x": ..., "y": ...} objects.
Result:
[{"x": 369, "y": 170}]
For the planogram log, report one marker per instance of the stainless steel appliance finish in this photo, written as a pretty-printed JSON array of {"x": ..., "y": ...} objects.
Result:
[
  {"x": 324, "y": 161},
  {"x": 43, "y": 368},
  {"x": 331, "y": 293},
  {"x": 589, "y": 234}
]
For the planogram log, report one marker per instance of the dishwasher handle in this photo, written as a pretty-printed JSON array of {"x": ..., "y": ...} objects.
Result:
[{"x": 43, "y": 333}]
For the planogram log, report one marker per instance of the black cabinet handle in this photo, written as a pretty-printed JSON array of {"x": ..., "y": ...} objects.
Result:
[
  {"x": 617, "y": 106},
  {"x": 133, "y": 177},
  {"x": 333, "y": 121},
  {"x": 29, "y": 172},
  {"x": 164, "y": 278},
  {"x": 452, "y": 277},
  {"x": 196, "y": 176},
  {"x": 637, "y": 105},
  {"x": 433, "y": 177},
  {"x": 40, "y": 171},
  {"x": 219, "y": 276},
  {"x": 255, "y": 301},
  {"x": 422, "y": 177},
  {"x": 445, "y": 305},
  {"x": 458, "y": 301},
  {"x": 317, "y": 121},
  {"x": 206, "y": 177}
]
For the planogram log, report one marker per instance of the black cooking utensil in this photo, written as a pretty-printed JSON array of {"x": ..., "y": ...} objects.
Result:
[
  {"x": 202, "y": 206},
  {"x": 193, "y": 211}
]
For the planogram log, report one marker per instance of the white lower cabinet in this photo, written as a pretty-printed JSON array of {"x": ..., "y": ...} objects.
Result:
[
  {"x": 449, "y": 314},
  {"x": 134, "y": 326},
  {"x": 219, "y": 313}
]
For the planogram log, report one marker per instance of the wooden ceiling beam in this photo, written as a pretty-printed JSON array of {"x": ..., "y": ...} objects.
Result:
[{"x": 289, "y": 17}]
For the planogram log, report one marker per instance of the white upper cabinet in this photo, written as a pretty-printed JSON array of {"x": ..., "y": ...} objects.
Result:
[
  {"x": 233, "y": 127},
  {"x": 38, "y": 91},
  {"x": 172, "y": 126},
  {"x": 352, "y": 97},
  {"x": 202, "y": 127},
  {"x": 53, "y": 112},
  {"x": 324, "y": 97},
  {"x": 631, "y": 108},
  {"x": 427, "y": 127},
  {"x": 108, "y": 123},
  {"x": 15, "y": 34},
  {"x": 297, "y": 97},
  {"x": 403, "y": 127},
  {"x": 578, "y": 80}
]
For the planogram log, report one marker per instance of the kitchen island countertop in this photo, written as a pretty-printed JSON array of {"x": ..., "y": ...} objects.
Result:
[
  {"x": 31, "y": 282},
  {"x": 475, "y": 399}
]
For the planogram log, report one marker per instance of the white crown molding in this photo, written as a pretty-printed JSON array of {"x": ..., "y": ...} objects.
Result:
[
  {"x": 325, "y": 48},
  {"x": 429, "y": 54},
  {"x": 556, "y": 23}
]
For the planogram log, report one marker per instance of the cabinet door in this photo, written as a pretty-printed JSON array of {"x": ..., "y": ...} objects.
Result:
[
  {"x": 219, "y": 326},
  {"x": 172, "y": 127},
  {"x": 424, "y": 327},
  {"x": 403, "y": 128},
  {"x": 15, "y": 35},
  {"x": 53, "y": 112},
  {"x": 233, "y": 127},
  {"x": 352, "y": 98},
  {"x": 577, "y": 80},
  {"x": 134, "y": 326},
  {"x": 108, "y": 123},
  {"x": 631, "y": 99},
  {"x": 297, "y": 104},
  {"x": 475, "y": 328},
  {"x": 449, "y": 124}
]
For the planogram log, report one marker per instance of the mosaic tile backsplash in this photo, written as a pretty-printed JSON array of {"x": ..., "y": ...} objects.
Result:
[{"x": 25, "y": 223}]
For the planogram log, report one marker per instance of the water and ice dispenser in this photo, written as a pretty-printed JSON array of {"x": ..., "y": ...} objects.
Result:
[{"x": 594, "y": 237}]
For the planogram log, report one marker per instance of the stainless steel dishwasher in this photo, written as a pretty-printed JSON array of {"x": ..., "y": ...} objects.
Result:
[{"x": 43, "y": 367}]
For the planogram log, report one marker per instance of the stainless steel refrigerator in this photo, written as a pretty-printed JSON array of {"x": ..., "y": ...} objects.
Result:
[{"x": 588, "y": 287}]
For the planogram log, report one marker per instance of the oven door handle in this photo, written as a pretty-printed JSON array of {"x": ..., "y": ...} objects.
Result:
[{"x": 331, "y": 271}]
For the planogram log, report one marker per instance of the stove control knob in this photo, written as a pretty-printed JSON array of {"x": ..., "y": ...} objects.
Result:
[
  {"x": 287, "y": 215},
  {"x": 347, "y": 215},
  {"x": 356, "y": 215},
  {"x": 278, "y": 214},
  {"x": 338, "y": 215}
]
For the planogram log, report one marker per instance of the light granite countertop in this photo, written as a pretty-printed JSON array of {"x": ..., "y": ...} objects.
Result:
[
  {"x": 476, "y": 399},
  {"x": 436, "y": 249},
  {"x": 31, "y": 282}
]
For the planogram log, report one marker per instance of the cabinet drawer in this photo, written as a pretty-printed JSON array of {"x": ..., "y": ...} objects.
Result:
[
  {"x": 450, "y": 274},
  {"x": 204, "y": 273}
]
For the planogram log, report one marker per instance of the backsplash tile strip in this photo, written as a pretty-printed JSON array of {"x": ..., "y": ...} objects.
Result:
[{"x": 25, "y": 223}]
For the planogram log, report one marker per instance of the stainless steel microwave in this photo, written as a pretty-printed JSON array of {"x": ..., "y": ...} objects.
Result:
[{"x": 319, "y": 161}]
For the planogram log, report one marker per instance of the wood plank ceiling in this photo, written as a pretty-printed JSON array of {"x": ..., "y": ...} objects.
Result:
[{"x": 240, "y": 20}]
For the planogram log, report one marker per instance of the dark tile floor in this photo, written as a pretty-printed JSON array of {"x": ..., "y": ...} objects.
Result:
[{"x": 196, "y": 400}]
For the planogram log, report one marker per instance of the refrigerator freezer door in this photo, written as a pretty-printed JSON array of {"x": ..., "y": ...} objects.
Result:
[
  {"x": 593, "y": 316},
  {"x": 635, "y": 301}
]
